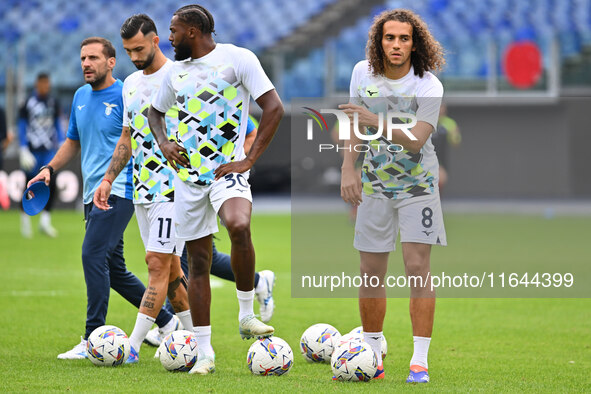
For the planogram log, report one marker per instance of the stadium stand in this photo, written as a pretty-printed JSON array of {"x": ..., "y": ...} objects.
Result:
[
  {"x": 465, "y": 29},
  {"x": 47, "y": 34},
  {"x": 44, "y": 35}
]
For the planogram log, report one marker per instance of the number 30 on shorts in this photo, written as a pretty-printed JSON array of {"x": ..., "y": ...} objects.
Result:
[
  {"x": 234, "y": 178},
  {"x": 427, "y": 217}
]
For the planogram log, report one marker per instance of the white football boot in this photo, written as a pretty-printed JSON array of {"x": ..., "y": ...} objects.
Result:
[
  {"x": 78, "y": 352},
  {"x": 265, "y": 294}
]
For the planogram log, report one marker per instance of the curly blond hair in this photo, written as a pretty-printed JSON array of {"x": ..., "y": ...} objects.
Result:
[{"x": 428, "y": 53}]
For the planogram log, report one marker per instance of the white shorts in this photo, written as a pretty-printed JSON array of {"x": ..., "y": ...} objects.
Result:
[
  {"x": 156, "y": 222},
  {"x": 196, "y": 207},
  {"x": 419, "y": 219}
]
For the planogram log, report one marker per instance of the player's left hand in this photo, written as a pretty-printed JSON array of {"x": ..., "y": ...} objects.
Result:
[
  {"x": 366, "y": 118},
  {"x": 238, "y": 167}
]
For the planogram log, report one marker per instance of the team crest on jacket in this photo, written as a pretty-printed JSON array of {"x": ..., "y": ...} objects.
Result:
[{"x": 109, "y": 108}]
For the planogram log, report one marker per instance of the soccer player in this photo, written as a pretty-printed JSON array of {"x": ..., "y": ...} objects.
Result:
[
  {"x": 396, "y": 190},
  {"x": 211, "y": 84},
  {"x": 94, "y": 129},
  {"x": 264, "y": 281},
  {"x": 154, "y": 191},
  {"x": 40, "y": 134}
]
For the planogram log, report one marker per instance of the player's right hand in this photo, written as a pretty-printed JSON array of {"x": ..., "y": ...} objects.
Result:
[
  {"x": 351, "y": 186},
  {"x": 175, "y": 153},
  {"x": 101, "y": 196},
  {"x": 43, "y": 175}
]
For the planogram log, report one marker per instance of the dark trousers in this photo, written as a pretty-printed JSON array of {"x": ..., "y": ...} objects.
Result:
[{"x": 104, "y": 264}]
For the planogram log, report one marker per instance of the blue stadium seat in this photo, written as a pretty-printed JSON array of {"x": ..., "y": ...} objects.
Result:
[
  {"x": 464, "y": 27},
  {"x": 256, "y": 24}
]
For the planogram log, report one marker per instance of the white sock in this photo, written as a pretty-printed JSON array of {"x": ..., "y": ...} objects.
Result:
[
  {"x": 374, "y": 339},
  {"x": 421, "y": 350},
  {"x": 25, "y": 219},
  {"x": 186, "y": 320},
  {"x": 245, "y": 300},
  {"x": 169, "y": 327},
  {"x": 203, "y": 335},
  {"x": 45, "y": 219},
  {"x": 143, "y": 323}
]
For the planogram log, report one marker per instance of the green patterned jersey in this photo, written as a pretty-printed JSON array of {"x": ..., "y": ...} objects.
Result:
[
  {"x": 389, "y": 171},
  {"x": 212, "y": 94},
  {"x": 152, "y": 176}
]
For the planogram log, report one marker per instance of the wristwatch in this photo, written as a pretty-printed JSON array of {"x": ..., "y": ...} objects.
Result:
[{"x": 50, "y": 168}]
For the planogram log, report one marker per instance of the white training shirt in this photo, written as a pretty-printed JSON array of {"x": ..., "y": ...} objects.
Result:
[
  {"x": 152, "y": 176},
  {"x": 402, "y": 174},
  {"x": 212, "y": 94}
]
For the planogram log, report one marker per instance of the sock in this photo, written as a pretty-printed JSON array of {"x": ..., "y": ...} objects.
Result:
[
  {"x": 186, "y": 320},
  {"x": 203, "y": 335},
  {"x": 143, "y": 323},
  {"x": 45, "y": 219},
  {"x": 421, "y": 349},
  {"x": 25, "y": 220},
  {"x": 170, "y": 326},
  {"x": 245, "y": 300},
  {"x": 374, "y": 339}
]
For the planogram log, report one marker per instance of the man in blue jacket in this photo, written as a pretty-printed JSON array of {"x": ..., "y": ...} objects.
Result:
[{"x": 94, "y": 129}]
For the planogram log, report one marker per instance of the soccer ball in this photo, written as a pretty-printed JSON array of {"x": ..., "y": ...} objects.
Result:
[
  {"x": 352, "y": 336},
  {"x": 359, "y": 330},
  {"x": 178, "y": 351},
  {"x": 354, "y": 361},
  {"x": 269, "y": 356},
  {"x": 108, "y": 346},
  {"x": 318, "y": 342}
]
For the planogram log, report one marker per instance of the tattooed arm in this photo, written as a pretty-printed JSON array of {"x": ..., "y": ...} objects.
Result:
[{"x": 118, "y": 162}]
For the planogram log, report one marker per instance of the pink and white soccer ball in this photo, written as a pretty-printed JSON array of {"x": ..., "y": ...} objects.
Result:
[
  {"x": 178, "y": 351},
  {"x": 318, "y": 342},
  {"x": 108, "y": 346}
]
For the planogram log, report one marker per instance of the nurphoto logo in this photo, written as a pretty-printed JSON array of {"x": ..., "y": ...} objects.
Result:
[{"x": 395, "y": 120}]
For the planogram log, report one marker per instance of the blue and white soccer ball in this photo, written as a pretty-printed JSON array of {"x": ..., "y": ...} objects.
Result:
[
  {"x": 178, "y": 351},
  {"x": 359, "y": 330},
  {"x": 354, "y": 361},
  {"x": 269, "y": 356},
  {"x": 108, "y": 346},
  {"x": 318, "y": 342}
]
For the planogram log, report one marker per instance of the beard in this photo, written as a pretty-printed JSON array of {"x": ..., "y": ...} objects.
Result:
[
  {"x": 182, "y": 51},
  {"x": 141, "y": 65},
  {"x": 98, "y": 80}
]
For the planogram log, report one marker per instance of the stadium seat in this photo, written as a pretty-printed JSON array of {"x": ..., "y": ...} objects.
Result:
[{"x": 465, "y": 29}]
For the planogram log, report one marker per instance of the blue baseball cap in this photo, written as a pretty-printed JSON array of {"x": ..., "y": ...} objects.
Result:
[{"x": 40, "y": 195}]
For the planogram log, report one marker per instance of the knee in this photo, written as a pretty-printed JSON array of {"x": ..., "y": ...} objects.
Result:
[
  {"x": 373, "y": 270},
  {"x": 416, "y": 266},
  {"x": 157, "y": 266},
  {"x": 239, "y": 229},
  {"x": 374, "y": 264},
  {"x": 94, "y": 259}
]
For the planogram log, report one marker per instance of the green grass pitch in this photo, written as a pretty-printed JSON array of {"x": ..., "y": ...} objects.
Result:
[{"x": 491, "y": 345}]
